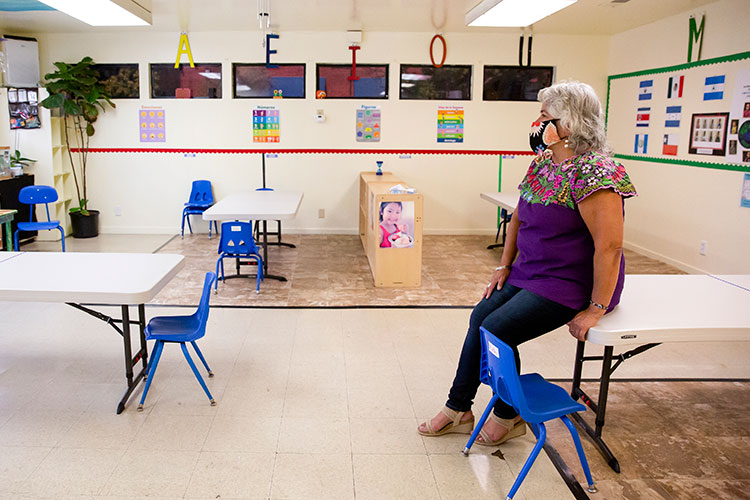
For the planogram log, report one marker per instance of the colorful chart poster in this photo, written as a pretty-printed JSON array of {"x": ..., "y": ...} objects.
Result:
[
  {"x": 450, "y": 124},
  {"x": 152, "y": 124},
  {"x": 745, "y": 199},
  {"x": 266, "y": 124},
  {"x": 368, "y": 124}
]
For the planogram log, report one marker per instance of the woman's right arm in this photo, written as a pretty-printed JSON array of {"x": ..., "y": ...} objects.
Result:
[{"x": 509, "y": 255}]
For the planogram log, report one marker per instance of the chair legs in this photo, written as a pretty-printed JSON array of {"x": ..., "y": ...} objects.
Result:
[
  {"x": 581, "y": 454},
  {"x": 203, "y": 360},
  {"x": 478, "y": 426},
  {"x": 155, "y": 355},
  {"x": 15, "y": 239},
  {"x": 541, "y": 432},
  {"x": 62, "y": 235},
  {"x": 216, "y": 225},
  {"x": 196, "y": 372}
]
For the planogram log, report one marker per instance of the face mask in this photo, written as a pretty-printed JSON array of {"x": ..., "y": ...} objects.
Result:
[{"x": 542, "y": 135}]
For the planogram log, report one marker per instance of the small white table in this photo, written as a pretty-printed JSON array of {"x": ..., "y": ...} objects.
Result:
[
  {"x": 507, "y": 202},
  {"x": 656, "y": 309},
  {"x": 123, "y": 279},
  {"x": 257, "y": 205}
]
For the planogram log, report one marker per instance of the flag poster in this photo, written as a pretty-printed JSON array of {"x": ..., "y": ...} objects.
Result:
[
  {"x": 713, "y": 90},
  {"x": 368, "y": 124},
  {"x": 642, "y": 117},
  {"x": 266, "y": 125},
  {"x": 644, "y": 90},
  {"x": 671, "y": 141},
  {"x": 152, "y": 125},
  {"x": 676, "y": 84},
  {"x": 641, "y": 144},
  {"x": 450, "y": 124},
  {"x": 673, "y": 116}
]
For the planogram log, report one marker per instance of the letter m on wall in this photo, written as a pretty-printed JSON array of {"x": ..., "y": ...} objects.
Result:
[{"x": 696, "y": 37}]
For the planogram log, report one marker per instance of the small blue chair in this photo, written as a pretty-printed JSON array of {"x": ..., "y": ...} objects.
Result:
[
  {"x": 535, "y": 400},
  {"x": 237, "y": 242},
  {"x": 201, "y": 199},
  {"x": 36, "y": 195},
  {"x": 179, "y": 330}
]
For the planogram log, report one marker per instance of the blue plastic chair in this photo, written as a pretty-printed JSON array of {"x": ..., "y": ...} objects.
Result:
[
  {"x": 237, "y": 243},
  {"x": 533, "y": 398},
  {"x": 201, "y": 198},
  {"x": 36, "y": 195},
  {"x": 179, "y": 330}
]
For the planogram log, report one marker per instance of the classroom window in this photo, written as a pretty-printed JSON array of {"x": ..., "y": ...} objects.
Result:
[
  {"x": 120, "y": 80},
  {"x": 259, "y": 81},
  {"x": 515, "y": 83},
  {"x": 425, "y": 81},
  {"x": 333, "y": 79},
  {"x": 202, "y": 81}
]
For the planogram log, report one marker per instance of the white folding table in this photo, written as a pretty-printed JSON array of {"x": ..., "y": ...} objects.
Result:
[
  {"x": 507, "y": 202},
  {"x": 123, "y": 279},
  {"x": 257, "y": 205},
  {"x": 657, "y": 309}
]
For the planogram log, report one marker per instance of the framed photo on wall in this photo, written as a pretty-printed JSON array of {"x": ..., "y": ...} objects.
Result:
[{"x": 708, "y": 134}]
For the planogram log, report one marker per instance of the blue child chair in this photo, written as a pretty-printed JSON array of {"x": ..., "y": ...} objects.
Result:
[
  {"x": 535, "y": 400},
  {"x": 237, "y": 242},
  {"x": 36, "y": 195},
  {"x": 179, "y": 330},
  {"x": 201, "y": 199}
]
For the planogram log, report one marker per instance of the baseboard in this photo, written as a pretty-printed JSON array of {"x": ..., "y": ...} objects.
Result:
[{"x": 663, "y": 258}]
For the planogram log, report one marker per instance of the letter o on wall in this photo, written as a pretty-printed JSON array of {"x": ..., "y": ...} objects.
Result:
[{"x": 445, "y": 50}]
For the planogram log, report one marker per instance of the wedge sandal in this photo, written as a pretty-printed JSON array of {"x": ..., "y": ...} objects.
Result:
[
  {"x": 515, "y": 429},
  {"x": 455, "y": 426}
]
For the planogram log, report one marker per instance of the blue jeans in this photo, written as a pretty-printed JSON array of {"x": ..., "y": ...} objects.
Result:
[{"x": 513, "y": 315}]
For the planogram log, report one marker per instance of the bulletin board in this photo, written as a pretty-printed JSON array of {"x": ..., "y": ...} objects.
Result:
[{"x": 695, "y": 114}]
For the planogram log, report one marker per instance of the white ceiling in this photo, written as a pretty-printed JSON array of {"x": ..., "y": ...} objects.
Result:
[{"x": 600, "y": 17}]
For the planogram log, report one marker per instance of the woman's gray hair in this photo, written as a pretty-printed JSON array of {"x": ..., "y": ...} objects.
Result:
[{"x": 578, "y": 108}]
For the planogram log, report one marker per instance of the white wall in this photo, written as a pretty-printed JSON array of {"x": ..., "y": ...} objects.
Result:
[
  {"x": 680, "y": 206},
  {"x": 151, "y": 188}
]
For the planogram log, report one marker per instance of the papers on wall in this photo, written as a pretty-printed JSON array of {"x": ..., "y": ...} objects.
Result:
[
  {"x": 152, "y": 124},
  {"x": 641, "y": 144},
  {"x": 675, "y": 87},
  {"x": 644, "y": 90},
  {"x": 369, "y": 126},
  {"x": 671, "y": 141},
  {"x": 713, "y": 90},
  {"x": 642, "y": 117},
  {"x": 450, "y": 124},
  {"x": 266, "y": 124},
  {"x": 673, "y": 116},
  {"x": 745, "y": 197},
  {"x": 739, "y": 115}
]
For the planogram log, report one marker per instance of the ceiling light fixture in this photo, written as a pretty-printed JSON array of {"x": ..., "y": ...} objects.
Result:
[
  {"x": 104, "y": 12},
  {"x": 513, "y": 13}
]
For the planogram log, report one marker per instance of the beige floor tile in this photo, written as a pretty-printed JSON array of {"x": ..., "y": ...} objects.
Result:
[
  {"x": 37, "y": 427},
  {"x": 477, "y": 476},
  {"x": 380, "y": 402},
  {"x": 396, "y": 477},
  {"x": 74, "y": 471},
  {"x": 267, "y": 401},
  {"x": 308, "y": 400},
  {"x": 314, "y": 435},
  {"x": 312, "y": 477},
  {"x": 256, "y": 434},
  {"x": 103, "y": 431},
  {"x": 386, "y": 436},
  {"x": 172, "y": 433},
  {"x": 231, "y": 475},
  {"x": 16, "y": 465},
  {"x": 152, "y": 473}
]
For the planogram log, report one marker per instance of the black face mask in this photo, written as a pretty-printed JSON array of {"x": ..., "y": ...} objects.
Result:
[{"x": 542, "y": 135}]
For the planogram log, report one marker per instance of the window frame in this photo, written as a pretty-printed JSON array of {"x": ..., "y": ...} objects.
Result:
[
  {"x": 504, "y": 66},
  {"x": 151, "y": 79},
  {"x": 262, "y": 64},
  {"x": 138, "y": 81},
  {"x": 471, "y": 81},
  {"x": 344, "y": 65}
]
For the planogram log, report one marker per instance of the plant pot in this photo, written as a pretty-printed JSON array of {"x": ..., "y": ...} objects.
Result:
[{"x": 85, "y": 226}]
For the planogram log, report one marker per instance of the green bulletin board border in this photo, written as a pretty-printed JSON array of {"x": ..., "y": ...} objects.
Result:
[{"x": 668, "y": 69}]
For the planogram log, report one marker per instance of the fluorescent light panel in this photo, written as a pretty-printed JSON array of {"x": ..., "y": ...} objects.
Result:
[
  {"x": 513, "y": 13},
  {"x": 104, "y": 12}
]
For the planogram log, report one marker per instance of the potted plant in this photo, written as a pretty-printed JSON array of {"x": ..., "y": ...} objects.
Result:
[
  {"x": 18, "y": 162},
  {"x": 75, "y": 91}
]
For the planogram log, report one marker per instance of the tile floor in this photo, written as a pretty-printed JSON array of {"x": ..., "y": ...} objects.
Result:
[{"x": 322, "y": 403}]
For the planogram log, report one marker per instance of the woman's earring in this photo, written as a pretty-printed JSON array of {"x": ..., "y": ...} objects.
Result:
[{"x": 567, "y": 144}]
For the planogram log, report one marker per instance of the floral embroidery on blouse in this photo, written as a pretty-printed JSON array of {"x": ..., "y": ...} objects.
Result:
[{"x": 572, "y": 180}]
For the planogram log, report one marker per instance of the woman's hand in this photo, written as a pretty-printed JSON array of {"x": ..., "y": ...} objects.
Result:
[
  {"x": 580, "y": 324},
  {"x": 497, "y": 281}
]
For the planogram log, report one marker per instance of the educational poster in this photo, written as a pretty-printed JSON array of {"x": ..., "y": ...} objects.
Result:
[
  {"x": 708, "y": 134},
  {"x": 23, "y": 108},
  {"x": 396, "y": 224},
  {"x": 152, "y": 124},
  {"x": 739, "y": 124},
  {"x": 745, "y": 198},
  {"x": 450, "y": 124},
  {"x": 368, "y": 124},
  {"x": 266, "y": 125}
]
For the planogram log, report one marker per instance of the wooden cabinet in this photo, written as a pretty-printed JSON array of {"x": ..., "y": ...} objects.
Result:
[{"x": 395, "y": 257}]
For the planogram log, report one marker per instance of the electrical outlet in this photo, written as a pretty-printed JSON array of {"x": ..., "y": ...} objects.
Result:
[
  {"x": 321, "y": 213},
  {"x": 703, "y": 248},
  {"x": 118, "y": 210}
]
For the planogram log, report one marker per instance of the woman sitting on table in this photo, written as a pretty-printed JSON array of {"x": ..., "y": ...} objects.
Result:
[{"x": 567, "y": 236}]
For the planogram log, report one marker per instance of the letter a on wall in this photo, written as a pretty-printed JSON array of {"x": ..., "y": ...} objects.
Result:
[{"x": 184, "y": 48}]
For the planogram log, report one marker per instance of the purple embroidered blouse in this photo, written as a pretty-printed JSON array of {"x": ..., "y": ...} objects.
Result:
[{"x": 555, "y": 248}]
